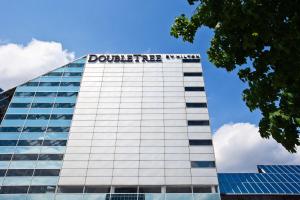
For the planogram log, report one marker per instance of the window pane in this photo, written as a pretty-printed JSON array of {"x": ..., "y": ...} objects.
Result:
[
  {"x": 203, "y": 164},
  {"x": 200, "y": 142},
  {"x": 126, "y": 190},
  {"x": 192, "y": 89},
  {"x": 25, "y": 156},
  {"x": 51, "y": 157},
  {"x": 36, "y": 117},
  {"x": 196, "y": 105},
  {"x": 178, "y": 190},
  {"x": 19, "y": 105},
  {"x": 5, "y": 157},
  {"x": 202, "y": 189},
  {"x": 15, "y": 117},
  {"x": 42, "y": 189},
  {"x": 192, "y": 73},
  {"x": 198, "y": 122},
  {"x": 49, "y": 84},
  {"x": 13, "y": 189},
  {"x": 8, "y": 142},
  {"x": 46, "y": 172},
  {"x": 30, "y": 142},
  {"x": 64, "y": 117},
  {"x": 149, "y": 189},
  {"x": 55, "y": 143},
  {"x": 70, "y": 189},
  {"x": 96, "y": 189},
  {"x": 19, "y": 172}
]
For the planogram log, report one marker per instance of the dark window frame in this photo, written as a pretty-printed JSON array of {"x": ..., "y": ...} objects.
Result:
[{"x": 194, "y": 89}]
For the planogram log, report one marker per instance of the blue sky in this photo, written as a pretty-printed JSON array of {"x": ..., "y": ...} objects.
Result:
[{"x": 124, "y": 27}]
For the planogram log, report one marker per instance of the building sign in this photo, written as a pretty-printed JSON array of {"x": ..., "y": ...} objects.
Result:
[
  {"x": 124, "y": 58},
  {"x": 149, "y": 58}
]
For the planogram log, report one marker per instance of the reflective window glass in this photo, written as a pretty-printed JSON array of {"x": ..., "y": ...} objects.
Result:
[
  {"x": 58, "y": 129},
  {"x": 37, "y": 117},
  {"x": 31, "y": 84},
  {"x": 170, "y": 189},
  {"x": 202, "y": 189},
  {"x": 67, "y": 94},
  {"x": 25, "y": 157},
  {"x": 10, "y": 129},
  {"x": 34, "y": 129},
  {"x": 13, "y": 189},
  {"x": 63, "y": 117},
  {"x": 200, "y": 142},
  {"x": 149, "y": 189},
  {"x": 192, "y": 73},
  {"x": 51, "y": 156},
  {"x": 64, "y": 105},
  {"x": 55, "y": 143},
  {"x": 24, "y": 94},
  {"x": 53, "y": 74},
  {"x": 192, "y": 89},
  {"x": 49, "y": 84},
  {"x": 70, "y": 84},
  {"x": 5, "y": 157},
  {"x": 2, "y": 172},
  {"x": 45, "y": 94},
  {"x": 125, "y": 189},
  {"x": 19, "y": 172},
  {"x": 70, "y": 189},
  {"x": 75, "y": 65},
  {"x": 72, "y": 74},
  {"x": 96, "y": 189},
  {"x": 42, "y": 189},
  {"x": 46, "y": 172},
  {"x": 19, "y": 105},
  {"x": 203, "y": 164},
  {"x": 30, "y": 142},
  {"x": 196, "y": 105},
  {"x": 8, "y": 142},
  {"x": 198, "y": 122},
  {"x": 42, "y": 105},
  {"x": 11, "y": 116}
]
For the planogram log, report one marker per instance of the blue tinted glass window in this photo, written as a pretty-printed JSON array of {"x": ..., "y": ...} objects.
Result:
[
  {"x": 16, "y": 117},
  {"x": 30, "y": 142},
  {"x": 19, "y": 105},
  {"x": 203, "y": 164},
  {"x": 45, "y": 94},
  {"x": 31, "y": 84},
  {"x": 61, "y": 117},
  {"x": 70, "y": 84},
  {"x": 49, "y": 84},
  {"x": 10, "y": 129},
  {"x": 58, "y": 129},
  {"x": 51, "y": 156},
  {"x": 53, "y": 74},
  {"x": 41, "y": 105},
  {"x": 24, "y": 94},
  {"x": 38, "y": 117},
  {"x": 67, "y": 94},
  {"x": 34, "y": 129},
  {"x": 25, "y": 157},
  {"x": 72, "y": 74},
  {"x": 8, "y": 142}
]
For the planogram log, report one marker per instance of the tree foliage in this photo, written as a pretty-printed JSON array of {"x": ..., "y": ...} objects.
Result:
[{"x": 265, "y": 33}]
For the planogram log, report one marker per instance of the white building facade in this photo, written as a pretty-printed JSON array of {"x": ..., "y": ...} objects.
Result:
[{"x": 140, "y": 130}]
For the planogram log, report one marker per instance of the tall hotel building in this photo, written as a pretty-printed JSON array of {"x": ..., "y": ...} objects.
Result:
[{"x": 109, "y": 127}]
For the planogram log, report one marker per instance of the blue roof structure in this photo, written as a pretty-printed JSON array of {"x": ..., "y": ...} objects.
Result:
[{"x": 271, "y": 180}]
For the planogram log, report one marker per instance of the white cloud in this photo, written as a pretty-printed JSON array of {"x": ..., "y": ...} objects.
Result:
[
  {"x": 19, "y": 63},
  {"x": 239, "y": 148}
]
